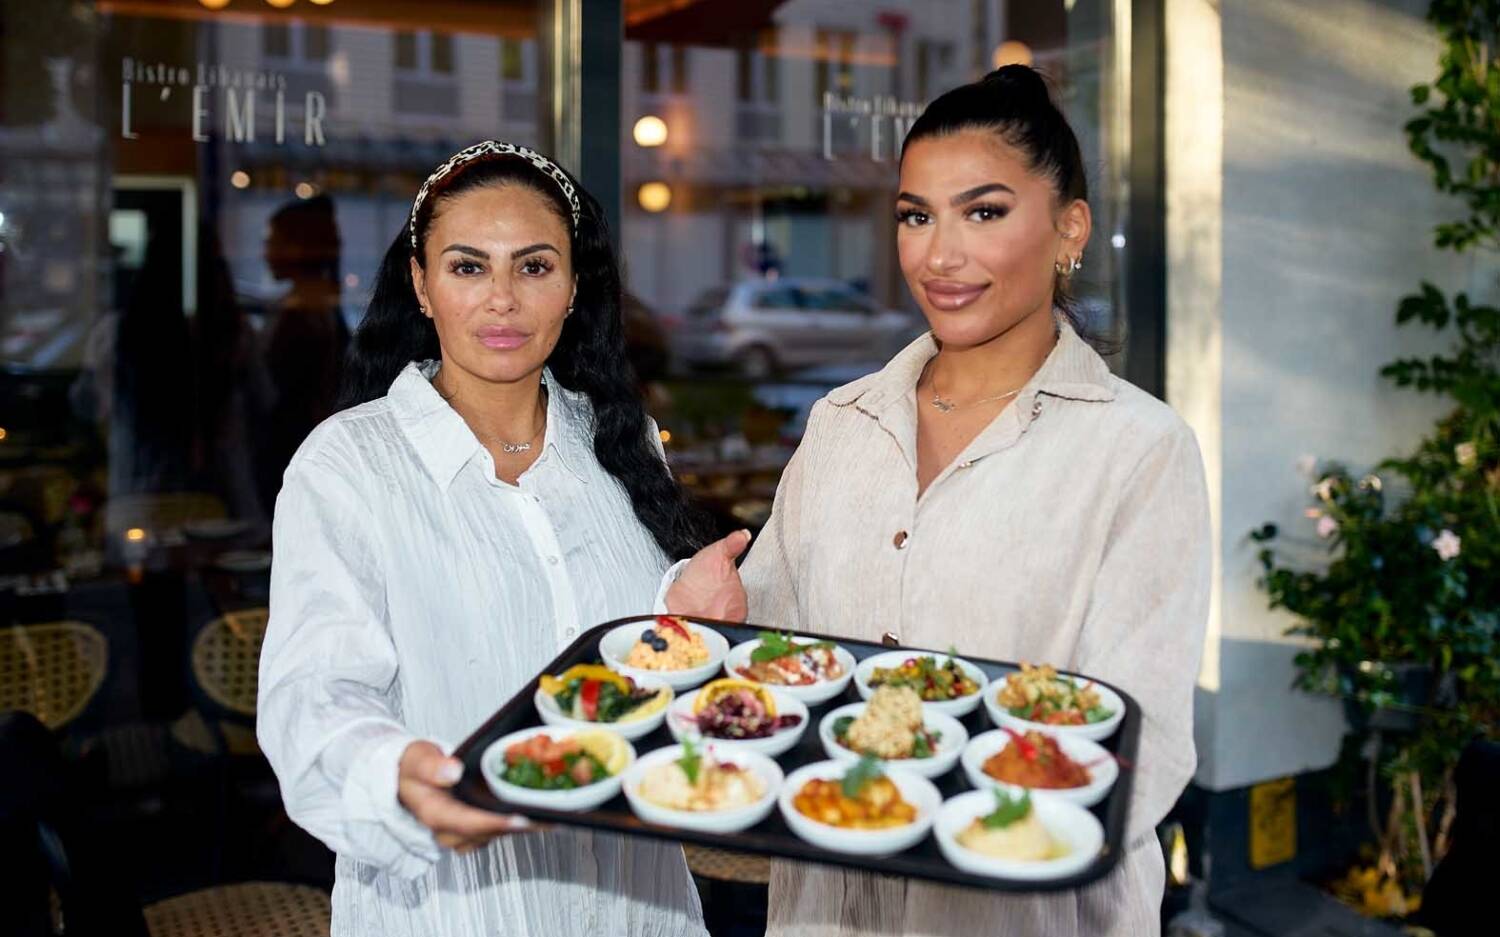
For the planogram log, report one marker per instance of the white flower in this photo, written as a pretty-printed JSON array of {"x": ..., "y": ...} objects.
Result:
[
  {"x": 1447, "y": 544},
  {"x": 1324, "y": 489},
  {"x": 1467, "y": 453},
  {"x": 1327, "y": 527},
  {"x": 1307, "y": 464}
]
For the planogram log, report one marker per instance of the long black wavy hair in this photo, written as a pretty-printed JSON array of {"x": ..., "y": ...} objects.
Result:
[
  {"x": 589, "y": 357},
  {"x": 1015, "y": 104}
]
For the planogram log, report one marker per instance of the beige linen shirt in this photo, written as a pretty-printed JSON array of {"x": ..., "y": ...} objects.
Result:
[{"x": 1073, "y": 530}]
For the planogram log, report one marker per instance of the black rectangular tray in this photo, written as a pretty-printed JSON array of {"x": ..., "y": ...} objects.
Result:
[{"x": 771, "y": 836}]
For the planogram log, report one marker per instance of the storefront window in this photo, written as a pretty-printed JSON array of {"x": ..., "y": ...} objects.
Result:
[
  {"x": 758, "y": 227},
  {"x": 194, "y": 199}
]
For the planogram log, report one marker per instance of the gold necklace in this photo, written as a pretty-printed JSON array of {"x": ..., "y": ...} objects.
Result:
[
  {"x": 509, "y": 448},
  {"x": 512, "y": 448},
  {"x": 946, "y": 405}
]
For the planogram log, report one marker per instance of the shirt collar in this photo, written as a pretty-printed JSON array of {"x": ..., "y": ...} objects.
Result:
[
  {"x": 445, "y": 444},
  {"x": 1072, "y": 370}
]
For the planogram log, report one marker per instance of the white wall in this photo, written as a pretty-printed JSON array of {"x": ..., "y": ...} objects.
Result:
[{"x": 1325, "y": 223}]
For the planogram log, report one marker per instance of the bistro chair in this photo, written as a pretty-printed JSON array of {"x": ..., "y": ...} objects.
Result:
[
  {"x": 722, "y": 865},
  {"x": 53, "y": 670},
  {"x": 225, "y": 660},
  {"x": 226, "y": 663},
  {"x": 249, "y": 909}
]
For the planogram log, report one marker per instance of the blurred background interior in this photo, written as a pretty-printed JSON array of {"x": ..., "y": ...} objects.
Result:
[{"x": 195, "y": 194}]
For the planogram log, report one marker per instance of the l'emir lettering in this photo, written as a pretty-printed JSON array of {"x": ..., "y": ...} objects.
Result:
[{"x": 237, "y": 94}]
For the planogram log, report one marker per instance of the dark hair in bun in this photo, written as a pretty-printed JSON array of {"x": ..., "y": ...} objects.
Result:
[{"x": 1015, "y": 103}]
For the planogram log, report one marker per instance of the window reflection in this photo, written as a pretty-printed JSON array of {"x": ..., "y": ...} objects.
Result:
[
  {"x": 760, "y": 235},
  {"x": 192, "y": 209}
]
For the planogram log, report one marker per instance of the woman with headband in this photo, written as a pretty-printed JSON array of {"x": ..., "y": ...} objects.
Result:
[{"x": 495, "y": 488}]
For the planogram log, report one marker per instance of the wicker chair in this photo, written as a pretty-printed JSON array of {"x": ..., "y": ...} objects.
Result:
[
  {"x": 250, "y": 909},
  {"x": 226, "y": 662},
  {"x": 724, "y": 866},
  {"x": 53, "y": 670}
]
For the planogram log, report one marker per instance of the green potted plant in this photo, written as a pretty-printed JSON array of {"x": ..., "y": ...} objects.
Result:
[{"x": 1402, "y": 615}]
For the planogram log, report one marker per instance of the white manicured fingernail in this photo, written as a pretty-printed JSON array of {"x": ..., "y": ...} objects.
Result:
[
  {"x": 520, "y": 823},
  {"x": 451, "y": 772}
]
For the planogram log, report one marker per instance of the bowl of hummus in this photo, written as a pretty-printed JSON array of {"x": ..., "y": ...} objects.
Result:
[
  {"x": 697, "y": 786},
  {"x": 1001, "y": 835}
]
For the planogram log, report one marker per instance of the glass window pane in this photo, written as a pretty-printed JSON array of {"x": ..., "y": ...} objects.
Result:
[
  {"x": 512, "y": 65},
  {"x": 188, "y": 239},
  {"x": 679, "y": 69},
  {"x": 442, "y": 53},
  {"x": 772, "y": 263},
  {"x": 650, "y": 68},
  {"x": 315, "y": 43},
  {"x": 276, "y": 41},
  {"x": 406, "y": 50}
]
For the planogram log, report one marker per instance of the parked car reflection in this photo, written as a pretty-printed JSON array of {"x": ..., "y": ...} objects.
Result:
[{"x": 762, "y": 327}]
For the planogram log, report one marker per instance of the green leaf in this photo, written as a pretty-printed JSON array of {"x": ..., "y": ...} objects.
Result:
[
  {"x": 691, "y": 761},
  {"x": 855, "y": 779},
  {"x": 774, "y": 646},
  {"x": 1008, "y": 810}
]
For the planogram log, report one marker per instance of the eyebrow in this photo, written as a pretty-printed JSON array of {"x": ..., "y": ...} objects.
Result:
[
  {"x": 532, "y": 249},
  {"x": 466, "y": 249},
  {"x": 968, "y": 195},
  {"x": 514, "y": 255}
]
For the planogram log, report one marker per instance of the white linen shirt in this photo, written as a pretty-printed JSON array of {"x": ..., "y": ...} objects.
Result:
[
  {"x": 413, "y": 593},
  {"x": 1073, "y": 530}
]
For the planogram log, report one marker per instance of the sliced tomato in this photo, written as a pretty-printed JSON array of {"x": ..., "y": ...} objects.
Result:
[
  {"x": 552, "y": 769},
  {"x": 588, "y": 695}
]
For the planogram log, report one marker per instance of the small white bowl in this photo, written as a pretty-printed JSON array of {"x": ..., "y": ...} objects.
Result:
[
  {"x": 915, "y": 790},
  {"x": 812, "y": 694},
  {"x": 615, "y": 646},
  {"x": 492, "y": 766},
  {"x": 719, "y": 821},
  {"x": 955, "y": 707},
  {"x": 950, "y": 745},
  {"x": 1094, "y": 731},
  {"x": 1101, "y": 765},
  {"x": 1068, "y": 823},
  {"x": 777, "y": 743},
  {"x": 547, "y": 709}
]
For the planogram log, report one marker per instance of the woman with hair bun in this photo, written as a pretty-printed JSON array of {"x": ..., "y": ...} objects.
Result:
[
  {"x": 995, "y": 488},
  {"x": 494, "y": 488}
]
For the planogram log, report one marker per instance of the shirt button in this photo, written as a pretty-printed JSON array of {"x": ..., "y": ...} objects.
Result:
[
  {"x": 570, "y": 632},
  {"x": 1036, "y": 409},
  {"x": 551, "y": 561},
  {"x": 899, "y": 541}
]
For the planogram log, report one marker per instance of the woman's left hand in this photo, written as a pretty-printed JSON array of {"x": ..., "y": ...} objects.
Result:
[{"x": 710, "y": 585}]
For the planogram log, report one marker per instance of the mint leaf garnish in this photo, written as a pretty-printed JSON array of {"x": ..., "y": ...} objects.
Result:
[
  {"x": 690, "y": 761},
  {"x": 774, "y": 645},
  {"x": 1008, "y": 810},
  {"x": 867, "y": 770}
]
